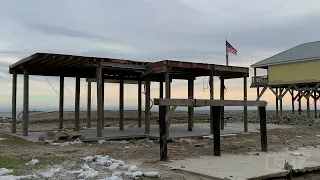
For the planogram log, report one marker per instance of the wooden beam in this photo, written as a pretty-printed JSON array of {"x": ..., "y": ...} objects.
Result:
[
  {"x": 61, "y": 96},
  {"x": 222, "y": 98},
  {"x": 99, "y": 100},
  {"x": 102, "y": 101},
  {"x": 169, "y": 114},
  {"x": 147, "y": 106},
  {"x": 262, "y": 92},
  {"x": 168, "y": 94},
  {"x": 206, "y": 102},
  {"x": 216, "y": 134},
  {"x": 25, "y": 122},
  {"x": 190, "y": 109},
  {"x": 275, "y": 92},
  {"x": 263, "y": 128},
  {"x": 315, "y": 104},
  {"x": 163, "y": 133},
  {"x": 14, "y": 103},
  {"x": 89, "y": 106},
  {"x": 211, "y": 84},
  {"x": 139, "y": 104},
  {"x": 77, "y": 105},
  {"x": 285, "y": 92},
  {"x": 308, "y": 107},
  {"x": 245, "y": 108},
  {"x": 121, "y": 104},
  {"x": 277, "y": 103},
  {"x": 292, "y": 100}
]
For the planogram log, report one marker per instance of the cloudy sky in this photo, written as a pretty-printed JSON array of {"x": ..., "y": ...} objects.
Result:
[{"x": 149, "y": 30}]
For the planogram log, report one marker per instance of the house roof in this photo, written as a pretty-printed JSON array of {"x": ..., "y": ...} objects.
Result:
[{"x": 302, "y": 52}]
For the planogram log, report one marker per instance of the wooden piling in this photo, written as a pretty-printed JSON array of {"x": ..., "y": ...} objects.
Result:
[
  {"x": 14, "y": 103},
  {"x": 102, "y": 106},
  {"x": 163, "y": 133},
  {"x": 245, "y": 108},
  {"x": 99, "y": 100},
  {"x": 292, "y": 100},
  {"x": 190, "y": 96},
  {"x": 77, "y": 105},
  {"x": 160, "y": 93},
  {"x": 211, "y": 84},
  {"x": 147, "y": 106},
  {"x": 263, "y": 128},
  {"x": 216, "y": 125},
  {"x": 89, "y": 106},
  {"x": 121, "y": 105},
  {"x": 61, "y": 97},
  {"x": 308, "y": 107},
  {"x": 277, "y": 105},
  {"x": 139, "y": 103},
  {"x": 315, "y": 104},
  {"x": 168, "y": 95},
  {"x": 222, "y": 98},
  {"x": 25, "y": 122}
]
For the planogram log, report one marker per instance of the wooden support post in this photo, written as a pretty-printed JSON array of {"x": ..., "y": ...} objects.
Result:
[
  {"x": 61, "y": 96},
  {"x": 99, "y": 100},
  {"x": 190, "y": 96},
  {"x": 77, "y": 105},
  {"x": 14, "y": 103},
  {"x": 168, "y": 95},
  {"x": 147, "y": 106},
  {"x": 163, "y": 133},
  {"x": 102, "y": 106},
  {"x": 315, "y": 104},
  {"x": 211, "y": 83},
  {"x": 308, "y": 107},
  {"x": 255, "y": 75},
  {"x": 139, "y": 103},
  {"x": 258, "y": 92},
  {"x": 292, "y": 100},
  {"x": 121, "y": 103},
  {"x": 222, "y": 98},
  {"x": 160, "y": 93},
  {"x": 277, "y": 105},
  {"x": 245, "y": 108},
  {"x": 25, "y": 122},
  {"x": 280, "y": 93},
  {"x": 216, "y": 126},
  {"x": 299, "y": 100},
  {"x": 89, "y": 106},
  {"x": 263, "y": 128}
]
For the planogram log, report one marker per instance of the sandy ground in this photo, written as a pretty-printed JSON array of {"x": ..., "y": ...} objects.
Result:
[{"x": 146, "y": 153}]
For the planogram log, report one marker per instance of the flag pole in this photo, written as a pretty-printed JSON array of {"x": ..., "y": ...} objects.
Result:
[{"x": 227, "y": 56}]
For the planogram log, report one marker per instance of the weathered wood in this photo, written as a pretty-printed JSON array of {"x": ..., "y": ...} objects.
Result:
[
  {"x": 280, "y": 99},
  {"x": 160, "y": 93},
  {"x": 292, "y": 101},
  {"x": 139, "y": 104},
  {"x": 14, "y": 103},
  {"x": 263, "y": 128},
  {"x": 102, "y": 99},
  {"x": 206, "y": 102},
  {"x": 121, "y": 103},
  {"x": 61, "y": 97},
  {"x": 315, "y": 105},
  {"x": 277, "y": 105},
  {"x": 222, "y": 98},
  {"x": 99, "y": 100},
  {"x": 25, "y": 122},
  {"x": 163, "y": 133},
  {"x": 89, "y": 106},
  {"x": 169, "y": 114},
  {"x": 147, "y": 106},
  {"x": 190, "y": 109},
  {"x": 168, "y": 95},
  {"x": 245, "y": 108},
  {"x": 308, "y": 107},
  {"x": 211, "y": 84},
  {"x": 216, "y": 126},
  {"x": 259, "y": 95},
  {"x": 77, "y": 105}
]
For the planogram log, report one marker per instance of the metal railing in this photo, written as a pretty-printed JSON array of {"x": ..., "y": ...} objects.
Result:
[{"x": 260, "y": 80}]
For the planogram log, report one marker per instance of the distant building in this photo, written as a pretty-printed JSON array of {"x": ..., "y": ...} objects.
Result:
[{"x": 293, "y": 70}]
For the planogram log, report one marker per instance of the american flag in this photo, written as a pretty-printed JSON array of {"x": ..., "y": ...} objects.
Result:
[{"x": 231, "y": 49}]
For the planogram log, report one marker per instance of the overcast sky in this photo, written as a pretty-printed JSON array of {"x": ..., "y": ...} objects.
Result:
[{"x": 149, "y": 30}]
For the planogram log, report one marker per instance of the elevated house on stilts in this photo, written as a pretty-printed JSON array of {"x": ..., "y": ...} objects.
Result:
[{"x": 295, "y": 71}]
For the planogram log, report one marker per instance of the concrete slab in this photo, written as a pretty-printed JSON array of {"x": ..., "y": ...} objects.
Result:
[
  {"x": 176, "y": 131},
  {"x": 241, "y": 167}
]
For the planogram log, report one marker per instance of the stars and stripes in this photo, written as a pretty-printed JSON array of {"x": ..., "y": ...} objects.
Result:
[{"x": 230, "y": 49}]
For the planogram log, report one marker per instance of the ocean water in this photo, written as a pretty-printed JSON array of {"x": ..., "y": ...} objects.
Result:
[{"x": 5, "y": 115}]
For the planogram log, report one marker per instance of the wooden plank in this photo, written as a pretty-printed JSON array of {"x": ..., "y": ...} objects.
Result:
[
  {"x": 231, "y": 69},
  {"x": 22, "y": 61},
  {"x": 25, "y": 122},
  {"x": 77, "y": 105},
  {"x": 14, "y": 103},
  {"x": 121, "y": 104},
  {"x": 216, "y": 125},
  {"x": 61, "y": 97},
  {"x": 163, "y": 133},
  {"x": 99, "y": 100},
  {"x": 89, "y": 106},
  {"x": 147, "y": 106},
  {"x": 139, "y": 104},
  {"x": 190, "y": 109},
  {"x": 263, "y": 128},
  {"x": 206, "y": 102}
]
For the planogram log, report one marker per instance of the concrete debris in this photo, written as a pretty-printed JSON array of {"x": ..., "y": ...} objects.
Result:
[
  {"x": 1, "y": 139},
  {"x": 299, "y": 136},
  {"x": 296, "y": 154},
  {"x": 32, "y": 162},
  {"x": 151, "y": 174},
  {"x": 102, "y": 141},
  {"x": 5, "y": 171},
  {"x": 50, "y": 173},
  {"x": 127, "y": 147},
  {"x": 76, "y": 171},
  {"x": 88, "y": 159},
  {"x": 318, "y": 135},
  {"x": 133, "y": 168}
]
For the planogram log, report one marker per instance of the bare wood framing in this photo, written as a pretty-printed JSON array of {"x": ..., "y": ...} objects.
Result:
[
  {"x": 61, "y": 96},
  {"x": 99, "y": 100},
  {"x": 77, "y": 105},
  {"x": 190, "y": 109},
  {"x": 262, "y": 92},
  {"x": 25, "y": 122},
  {"x": 121, "y": 104},
  {"x": 169, "y": 114},
  {"x": 14, "y": 103},
  {"x": 207, "y": 102},
  {"x": 139, "y": 104},
  {"x": 147, "y": 106},
  {"x": 211, "y": 83},
  {"x": 89, "y": 106}
]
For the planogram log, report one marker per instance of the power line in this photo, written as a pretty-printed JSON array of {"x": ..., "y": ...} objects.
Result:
[{"x": 51, "y": 86}]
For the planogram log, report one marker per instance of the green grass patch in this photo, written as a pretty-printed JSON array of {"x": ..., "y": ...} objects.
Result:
[
  {"x": 17, "y": 163},
  {"x": 13, "y": 140}
]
